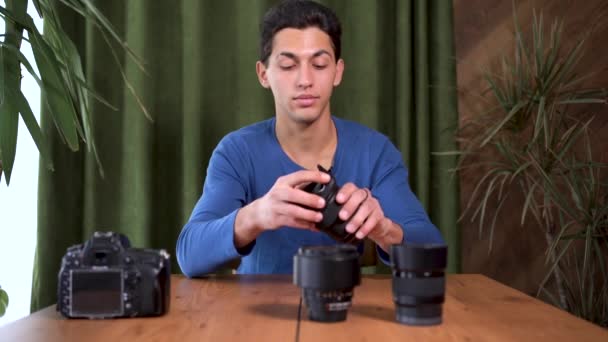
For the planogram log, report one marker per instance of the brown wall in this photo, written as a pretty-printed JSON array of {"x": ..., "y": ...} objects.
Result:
[{"x": 483, "y": 31}]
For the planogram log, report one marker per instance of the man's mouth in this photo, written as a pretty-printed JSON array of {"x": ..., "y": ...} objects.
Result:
[{"x": 305, "y": 100}]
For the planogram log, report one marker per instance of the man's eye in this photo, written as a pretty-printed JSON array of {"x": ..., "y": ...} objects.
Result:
[
  {"x": 287, "y": 67},
  {"x": 320, "y": 66}
]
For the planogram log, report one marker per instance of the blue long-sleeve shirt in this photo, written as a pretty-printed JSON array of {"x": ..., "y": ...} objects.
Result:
[{"x": 245, "y": 165}]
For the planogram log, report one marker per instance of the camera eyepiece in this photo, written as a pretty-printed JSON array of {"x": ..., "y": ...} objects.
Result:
[
  {"x": 418, "y": 282},
  {"x": 327, "y": 276},
  {"x": 331, "y": 224}
]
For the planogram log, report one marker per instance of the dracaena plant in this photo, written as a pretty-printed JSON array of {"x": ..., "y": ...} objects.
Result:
[
  {"x": 534, "y": 137},
  {"x": 60, "y": 76}
]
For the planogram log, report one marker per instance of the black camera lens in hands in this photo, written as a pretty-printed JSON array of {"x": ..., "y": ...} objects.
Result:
[
  {"x": 331, "y": 223},
  {"x": 418, "y": 282},
  {"x": 327, "y": 276}
]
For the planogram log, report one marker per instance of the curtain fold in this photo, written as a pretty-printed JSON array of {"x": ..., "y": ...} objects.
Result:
[{"x": 200, "y": 84}]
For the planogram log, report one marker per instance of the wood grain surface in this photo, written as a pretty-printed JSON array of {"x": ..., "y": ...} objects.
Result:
[{"x": 265, "y": 308}]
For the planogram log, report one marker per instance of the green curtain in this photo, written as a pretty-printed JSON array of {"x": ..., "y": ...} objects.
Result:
[{"x": 200, "y": 84}]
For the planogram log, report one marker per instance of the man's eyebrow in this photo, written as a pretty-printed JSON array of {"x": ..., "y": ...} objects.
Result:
[
  {"x": 288, "y": 55},
  {"x": 296, "y": 58},
  {"x": 321, "y": 52}
]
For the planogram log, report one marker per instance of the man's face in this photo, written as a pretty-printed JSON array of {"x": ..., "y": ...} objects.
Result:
[{"x": 301, "y": 73}]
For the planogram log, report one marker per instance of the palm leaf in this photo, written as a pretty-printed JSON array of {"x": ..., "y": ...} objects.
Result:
[
  {"x": 61, "y": 108},
  {"x": 79, "y": 79},
  {"x": 9, "y": 125},
  {"x": 32, "y": 125},
  {"x": 90, "y": 12}
]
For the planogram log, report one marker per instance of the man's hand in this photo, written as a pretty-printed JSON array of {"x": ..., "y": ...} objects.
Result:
[
  {"x": 368, "y": 219},
  {"x": 281, "y": 206}
]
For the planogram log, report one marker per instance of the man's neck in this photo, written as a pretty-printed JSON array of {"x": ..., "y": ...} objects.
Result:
[{"x": 308, "y": 145}]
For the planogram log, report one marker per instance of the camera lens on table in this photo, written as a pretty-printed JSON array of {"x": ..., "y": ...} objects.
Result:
[
  {"x": 418, "y": 282},
  {"x": 327, "y": 276}
]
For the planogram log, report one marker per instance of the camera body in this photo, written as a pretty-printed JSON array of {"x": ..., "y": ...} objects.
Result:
[
  {"x": 331, "y": 223},
  {"x": 106, "y": 278}
]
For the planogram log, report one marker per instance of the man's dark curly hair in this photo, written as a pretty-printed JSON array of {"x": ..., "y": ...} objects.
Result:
[{"x": 299, "y": 14}]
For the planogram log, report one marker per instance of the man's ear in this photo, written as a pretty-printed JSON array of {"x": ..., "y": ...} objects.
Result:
[
  {"x": 260, "y": 69},
  {"x": 339, "y": 72}
]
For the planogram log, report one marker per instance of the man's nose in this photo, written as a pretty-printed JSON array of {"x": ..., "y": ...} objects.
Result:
[{"x": 305, "y": 77}]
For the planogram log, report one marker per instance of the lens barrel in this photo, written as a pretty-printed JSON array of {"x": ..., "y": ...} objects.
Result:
[
  {"x": 327, "y": 276},
  {"x": 331, "y": 224},
  {"x": 419, "y": 282}
]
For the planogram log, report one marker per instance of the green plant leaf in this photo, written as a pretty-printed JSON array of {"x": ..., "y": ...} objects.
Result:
[
  {"x": 57, "y": 95},
  {"x": 74, "y": 70},
  {"x": 493, "y": 224},
  {"x": 128, "y": 84},
  {"x": 554, "y": 265},
  {"x": 474, "y": 194},
  {"x": 80, "y": 80},
  {"x": 37, "y": 6},
  {"x": 549, "y": 295},
  {"x": 582, "y": 101},
  {"x": 539, "y": 118},
  {"x": 3, "y": 302},
  {"x": 2, "y": 73},
  {"x": 23, "y": 60},
  {"x": 528, "y": 203},
  {"x": 599, "y": 253},
  {"x": 102, "y": 21},
  {"x": 14, "y": 17},
  {"x": 484, "y": 202},
  {"x": 76, "y": 73},
  {"x": 500, "y": 125},
  {"x": 32, "y": 125},
  {"x": 9, "y": 125}
]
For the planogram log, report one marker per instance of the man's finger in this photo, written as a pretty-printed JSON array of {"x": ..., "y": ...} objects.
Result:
[
  {"x": 354, "y": 201},
  {"x": 304, "y": 176},
  {"x": 356, "y": 220},
  {"x": 302, "y": 224},
  {"x": 368, "y": 226},
  {"x": 300, "y": 197},
  {"x": 299, "y": 213},
  {"x": 346, "y": 192}
]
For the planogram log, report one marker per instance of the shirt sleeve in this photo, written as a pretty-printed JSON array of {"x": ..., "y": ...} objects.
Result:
[
  {"x": 391, "y": 187},
  {"x": 206, "y": 242}
]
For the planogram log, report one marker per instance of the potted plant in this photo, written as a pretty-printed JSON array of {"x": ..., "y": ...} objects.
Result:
[
  {"x": 534, "y": 138},
  {"x": 60, "y": 76}
]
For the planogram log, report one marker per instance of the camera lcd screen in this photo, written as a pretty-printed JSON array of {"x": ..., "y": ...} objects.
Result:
[{"x": 97, "y": 292}]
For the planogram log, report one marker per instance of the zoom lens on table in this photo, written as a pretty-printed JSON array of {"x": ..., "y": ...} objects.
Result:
[{"x": 419, "y": 282}]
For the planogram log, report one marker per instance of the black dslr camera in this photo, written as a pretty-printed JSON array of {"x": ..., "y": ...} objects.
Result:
[
  {"x": 331, "y": 223},
  {"x": 106, "y": 278}
]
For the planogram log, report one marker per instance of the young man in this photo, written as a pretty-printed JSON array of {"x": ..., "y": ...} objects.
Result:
[{"x": 253, "y": 206}]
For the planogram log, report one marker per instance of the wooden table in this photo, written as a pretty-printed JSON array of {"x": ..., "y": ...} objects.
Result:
[{"x": 265, "y": 308}]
